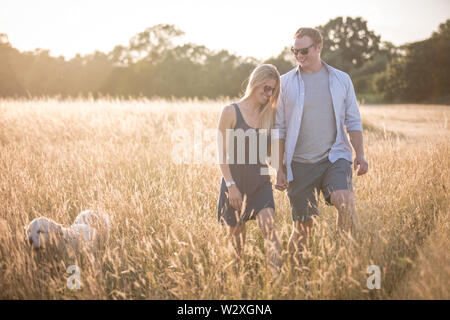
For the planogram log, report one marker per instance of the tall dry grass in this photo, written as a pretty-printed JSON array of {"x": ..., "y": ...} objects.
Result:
[{"x": 60, "y": 157}]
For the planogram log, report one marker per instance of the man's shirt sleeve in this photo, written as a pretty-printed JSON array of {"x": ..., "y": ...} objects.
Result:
[
  {"x": 280, "y": 120},
  {"x": 352, "y": 116}
]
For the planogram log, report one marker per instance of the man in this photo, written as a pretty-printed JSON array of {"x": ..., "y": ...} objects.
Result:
[{"x": 316, "y": 102}]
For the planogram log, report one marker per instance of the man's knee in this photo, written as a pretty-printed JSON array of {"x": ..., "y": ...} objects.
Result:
[{"x": 341, "y": 199}]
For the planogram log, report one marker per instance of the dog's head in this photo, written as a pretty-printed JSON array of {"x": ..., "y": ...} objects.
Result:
[{"x": 42, "y": 232}]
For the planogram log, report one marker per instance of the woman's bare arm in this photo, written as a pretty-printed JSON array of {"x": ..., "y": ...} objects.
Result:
[{"x": 227, "y": 121}]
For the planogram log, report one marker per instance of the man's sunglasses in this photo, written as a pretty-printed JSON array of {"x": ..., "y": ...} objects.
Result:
[{"x": 303, "y": 51}]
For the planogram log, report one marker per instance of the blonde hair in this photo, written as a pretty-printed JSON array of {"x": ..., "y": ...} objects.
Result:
[{"x": 258, "y": 77}]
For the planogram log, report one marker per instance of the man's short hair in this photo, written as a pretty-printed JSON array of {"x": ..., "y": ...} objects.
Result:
[{"x": 314, "y": 34}]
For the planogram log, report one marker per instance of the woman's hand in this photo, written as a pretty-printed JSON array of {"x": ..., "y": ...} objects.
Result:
[
  {"x": 235, "y": 197},
  {"x": 282, "y": 183}
]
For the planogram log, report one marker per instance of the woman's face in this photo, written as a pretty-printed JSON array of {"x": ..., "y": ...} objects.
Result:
[{"x": 263, "y": 92}]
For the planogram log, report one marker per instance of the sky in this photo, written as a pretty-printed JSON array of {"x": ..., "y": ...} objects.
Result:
[{"x": 257, "y": 28}]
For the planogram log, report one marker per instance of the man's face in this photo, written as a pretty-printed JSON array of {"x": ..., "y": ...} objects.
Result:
[{"x": 313, "y": 55}]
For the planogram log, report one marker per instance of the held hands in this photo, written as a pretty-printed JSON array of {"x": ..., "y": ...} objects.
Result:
[
  {"x": 282, "y": 183},
  {"x": 235, "y": 197},
  {"x": 362, "y": 163}
]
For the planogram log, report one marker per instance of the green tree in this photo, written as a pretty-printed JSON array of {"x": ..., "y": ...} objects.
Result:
[
  {"x": 364, "y": 78},
  {"x": 9, "y": 83},
  {"x": 348, "y": 42},
  {"x": 151, "y": 44},
  {"x": 284, "y": 62},
  {"x": 421, "y": 73}
]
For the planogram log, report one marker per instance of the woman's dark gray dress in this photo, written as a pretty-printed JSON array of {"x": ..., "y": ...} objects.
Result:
[{"x": 249, "y": 180}]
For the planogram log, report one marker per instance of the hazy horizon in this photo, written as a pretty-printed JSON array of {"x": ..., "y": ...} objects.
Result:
[{"x": 244, "y": 28}]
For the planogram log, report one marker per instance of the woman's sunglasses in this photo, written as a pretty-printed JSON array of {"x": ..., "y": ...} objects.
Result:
[
  {"x": 303, "y": 51},
  {"x": 268, "y": 89}
]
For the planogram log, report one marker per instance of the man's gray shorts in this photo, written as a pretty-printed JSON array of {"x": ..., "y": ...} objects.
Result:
[{"x": 310, "y": 179}]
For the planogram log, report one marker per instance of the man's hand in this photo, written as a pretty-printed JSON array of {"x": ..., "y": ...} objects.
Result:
[
  {"x": 362, "y": 163},
  {"x": 282, "y": 183}
]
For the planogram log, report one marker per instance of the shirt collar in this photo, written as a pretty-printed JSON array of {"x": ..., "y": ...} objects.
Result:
[{"x": 297, "y": 70}]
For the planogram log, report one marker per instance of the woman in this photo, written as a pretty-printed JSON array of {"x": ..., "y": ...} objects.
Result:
[{"x": 246, "y": 190}]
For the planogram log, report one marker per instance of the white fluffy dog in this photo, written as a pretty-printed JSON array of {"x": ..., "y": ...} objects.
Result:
[{"x": 89, "y": 229}]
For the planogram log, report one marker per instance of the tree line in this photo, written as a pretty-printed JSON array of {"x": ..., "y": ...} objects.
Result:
[{"x": 152, "y": 65}]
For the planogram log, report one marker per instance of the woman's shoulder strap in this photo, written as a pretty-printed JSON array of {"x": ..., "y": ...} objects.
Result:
[{"x": 239, "y": 117}]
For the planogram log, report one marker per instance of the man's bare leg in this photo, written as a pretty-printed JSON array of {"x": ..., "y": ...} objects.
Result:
[
  {"x": 298, "y": 240},
  {"x": 344, "y": 202}
]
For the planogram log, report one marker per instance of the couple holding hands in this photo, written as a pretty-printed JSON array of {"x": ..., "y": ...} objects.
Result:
[{"x": 304, "y": 112}]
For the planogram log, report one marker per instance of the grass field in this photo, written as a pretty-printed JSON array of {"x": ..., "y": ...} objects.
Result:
[{"x": 60, "y": 157}]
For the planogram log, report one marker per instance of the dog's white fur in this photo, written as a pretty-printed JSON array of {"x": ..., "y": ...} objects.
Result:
[{"x": 89, "y": 229}]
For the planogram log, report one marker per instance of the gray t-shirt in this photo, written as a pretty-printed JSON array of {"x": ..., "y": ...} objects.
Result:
[{"x": 318, "y": 128}]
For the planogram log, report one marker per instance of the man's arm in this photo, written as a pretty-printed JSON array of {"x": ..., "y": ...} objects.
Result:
[
  {"x": 356, "y": 138},
  {"x": 354, "y": 129},
  {"x": 280, "y": 135}
]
